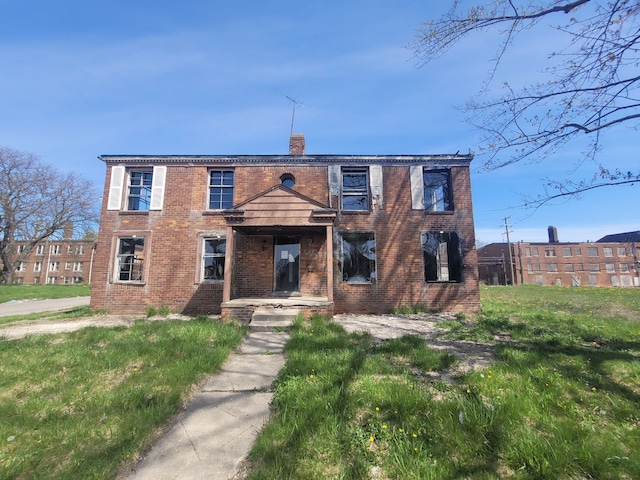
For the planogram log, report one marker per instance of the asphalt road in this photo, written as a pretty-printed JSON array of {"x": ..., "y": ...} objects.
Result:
[{"x": 21, "y": 307}]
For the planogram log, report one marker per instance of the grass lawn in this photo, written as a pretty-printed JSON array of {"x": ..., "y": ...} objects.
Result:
[
  {"x": 42, "y": 292},
  {"x": 561, "y": 400},
  {"x": 77, "y": 405}
]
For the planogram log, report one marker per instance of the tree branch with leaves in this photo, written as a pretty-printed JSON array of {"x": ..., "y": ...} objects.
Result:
[{"x": 591, "y": 87}]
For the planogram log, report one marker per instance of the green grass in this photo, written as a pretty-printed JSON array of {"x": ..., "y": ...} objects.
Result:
[
  {"x": 560, "y": 401},
  {"x": 69, "y": 314},
  {"x": 78, "y": 405},
  {"x": 42, "y": 292}
]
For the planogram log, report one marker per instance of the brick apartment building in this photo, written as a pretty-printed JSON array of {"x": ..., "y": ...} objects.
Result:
[
  {"x": 328, "y": 233},
  {"x": 55, "y": 262},
  {"x": 612, "y": 261}
]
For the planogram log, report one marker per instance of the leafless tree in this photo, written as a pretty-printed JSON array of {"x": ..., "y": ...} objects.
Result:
[
  {"x": 36, "y": 203},
  {"x": 591, "y": 86}
]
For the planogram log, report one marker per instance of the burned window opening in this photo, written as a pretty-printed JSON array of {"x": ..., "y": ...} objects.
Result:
[
  {"x": 130, "y": 259},
  {"x": 442, "y": 257},
  {"x": 213, "y": 259},
  {"x": 357, "y": 257},
  {"x": 355, "y": 189}
]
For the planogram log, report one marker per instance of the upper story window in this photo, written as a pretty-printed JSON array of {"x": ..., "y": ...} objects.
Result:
[
  {"x": 130, "y": 259},
  {"x": 566, "y": 251},
  {"x": 622, "y": 252},
  {"x": 40, "y": 250},
  {"x": 550, "y": 252},
  {"x": 220, "y": 189},
  {"x": 139, "y": 190},
  {"x": 288, "y": 180},
  {"x": 355, "y": 189},
  {"x": 21, "y": 249},
  {"x": 56, "y": 249},
  {"x": 592, "y": 251},
  {"x": 437, "y": 190},
  {"x": 607, "y": 251},
  {"x": 442, "y": 257}
]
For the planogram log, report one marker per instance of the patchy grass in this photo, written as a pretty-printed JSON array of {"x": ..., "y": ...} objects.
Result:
[
  {"x": 82, "y": 311},
  {"x": 42, "y": 292},
  {"x": 78, "y": 405},
  {"x": 560, "y": 401}
]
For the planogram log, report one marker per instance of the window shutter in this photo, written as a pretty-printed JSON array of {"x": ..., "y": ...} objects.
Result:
[
  {"x": 417, "y": 188},
  {"x": 334, "y": 179},
  {"x": 375, "y": 180},
  {"x": 157, "y": 188},
  {"x": 115, "y": 188}
]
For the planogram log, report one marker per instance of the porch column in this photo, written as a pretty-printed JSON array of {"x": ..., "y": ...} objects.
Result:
[
  {"x": 228, "y": 266},
  {"x": 329, "y": 263}
]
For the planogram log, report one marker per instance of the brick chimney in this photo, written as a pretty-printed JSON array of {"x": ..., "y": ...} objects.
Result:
[
  {"x": 67, "y": 233},
  {"x": 296, "y": 144},
  {"x": 553, "y": 234}
]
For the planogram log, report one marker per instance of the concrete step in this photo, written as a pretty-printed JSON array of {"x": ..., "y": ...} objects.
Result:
[{"x": 272, "y": 319}]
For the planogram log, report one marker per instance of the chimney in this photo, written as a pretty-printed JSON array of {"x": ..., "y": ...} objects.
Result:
[
  {"x": 67, "y": 233},
  {"x": 553, "y": 234},
  {"x": 296, "y": 144}
]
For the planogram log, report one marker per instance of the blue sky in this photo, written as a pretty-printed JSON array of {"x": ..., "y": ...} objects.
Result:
[{"x": 84, "y": 78}]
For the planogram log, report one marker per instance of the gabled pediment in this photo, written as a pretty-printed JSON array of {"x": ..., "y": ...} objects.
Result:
[{"x": 280, "y": 206}]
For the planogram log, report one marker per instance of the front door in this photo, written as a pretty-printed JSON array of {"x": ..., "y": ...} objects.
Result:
[{"x": 286, "y": 264}]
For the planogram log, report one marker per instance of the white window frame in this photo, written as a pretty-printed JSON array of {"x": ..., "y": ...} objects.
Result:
[
  {"x": 129, "y": 260},
  {"x": 120, "y": 184},
  {"x": 219, "y": 204},
  {"x": 210, "y": 255}
]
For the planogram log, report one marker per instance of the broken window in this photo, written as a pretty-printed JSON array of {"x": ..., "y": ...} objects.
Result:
[
  {"x": 55, "y": 249},
  {"x": 140, "y": 189},
  {"x": 220, "y": 189},
  {"x": 130, "y": 259},
  {"x": 40, "y": 250},
  {"x": 213, "y": 259},
  {"x": 355, "y": 189},
  {"x": 550, "y": 252},
  {"x": 54, "y": 266},
  {"x": 442, "y": 257},
  {"x": 357, "y": 257},
  {"x": 437, "y": 190}
]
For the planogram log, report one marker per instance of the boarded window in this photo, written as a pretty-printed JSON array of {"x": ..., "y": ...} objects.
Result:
[
  {"x": 357, "y": 257},
  {"x": 442, "y": 257}
]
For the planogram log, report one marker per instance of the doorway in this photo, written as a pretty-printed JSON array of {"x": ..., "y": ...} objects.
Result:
[{"x": 286, "y": 264}]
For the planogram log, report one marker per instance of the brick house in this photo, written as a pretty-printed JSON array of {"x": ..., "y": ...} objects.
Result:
[
  {"x": 612, "y": 261},
  {"x": 328, "y": 233}
]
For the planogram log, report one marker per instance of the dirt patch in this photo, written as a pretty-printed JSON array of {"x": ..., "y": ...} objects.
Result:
[{"x": 471, "y": 355}]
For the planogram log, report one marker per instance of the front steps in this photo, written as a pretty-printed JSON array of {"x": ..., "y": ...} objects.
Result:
[{"x": 272, "y": 319}]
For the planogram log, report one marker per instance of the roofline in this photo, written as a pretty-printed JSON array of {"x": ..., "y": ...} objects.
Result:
[{"x": 452, "y": 160}]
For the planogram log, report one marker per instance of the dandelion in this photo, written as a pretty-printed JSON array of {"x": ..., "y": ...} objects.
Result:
[
  {"x": 371, "y": 439},
  {"x": 468, "y": 391},
  {"x": 593, "y": 389},
  {"x": 400, "y": 430},
  {"x": 384, "y": 427},
  {"x": 415, "y": 449},
  {"x": 415, "y": 435},
  {"x": 488, "y": 376},
  {"x": 311, "y": 376},
  {"x": 377, "y": 409}
]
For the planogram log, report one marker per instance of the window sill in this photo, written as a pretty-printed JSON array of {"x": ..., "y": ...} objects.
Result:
[
  {"x": 356, "y": 212},
  {"x": 133, "y": 284},
  {"x": 215, "y": 213},
  {"x": 439, "y": 212},
  {"x": 134, "y": 212}
]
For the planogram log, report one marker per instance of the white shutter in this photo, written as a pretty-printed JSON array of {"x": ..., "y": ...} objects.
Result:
[
  {"x": 375, "y": 181},
  {"x": 157, "y": 188},
  {"x": 334, "y": 179},
  {"x": 115, "y": 188},
  {"x": 417, "y": 188}
]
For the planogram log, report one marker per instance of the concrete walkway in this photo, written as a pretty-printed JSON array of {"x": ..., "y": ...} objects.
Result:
[
  {"x": 23, "y": 307},
  {"x": 212, "y": 437}
]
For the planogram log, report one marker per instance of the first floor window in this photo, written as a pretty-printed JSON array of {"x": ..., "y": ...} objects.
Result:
[
  {"x": 357, "y": 257},
  {"x": 21, "y": 267},
  {"x": 568, "y": 267},
  {"x": 213, "y": 259},
  {"x": 442, "y": 257},
  {"x": 130, "y": 259},
  {"x": 52, "y": 280},
  {"x": 610, "y": 267},
  {"x": 624, "y": 267},
  {"x": 77, "y": 279}
]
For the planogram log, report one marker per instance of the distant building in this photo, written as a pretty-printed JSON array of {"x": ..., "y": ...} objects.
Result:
[
  {"x": 329, "y": 233},
  {"x": 612, "y": 261},
  {"x": 55, "y": 262}
]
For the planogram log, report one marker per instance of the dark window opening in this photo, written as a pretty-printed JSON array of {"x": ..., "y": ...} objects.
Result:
[
  {"x": 213, "y": 259},
  {"x": 437, "y": 190},
  {"x": 288, "y": 180},
  {"x": 357, "y": 257},
  {"x": 355, "y": 189},
  {"x": 130, "y": 259},
  {"x": 442, "y": 257}
]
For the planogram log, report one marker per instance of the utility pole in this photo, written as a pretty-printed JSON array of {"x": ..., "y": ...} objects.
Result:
[{"x": 506, "y": 227}]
